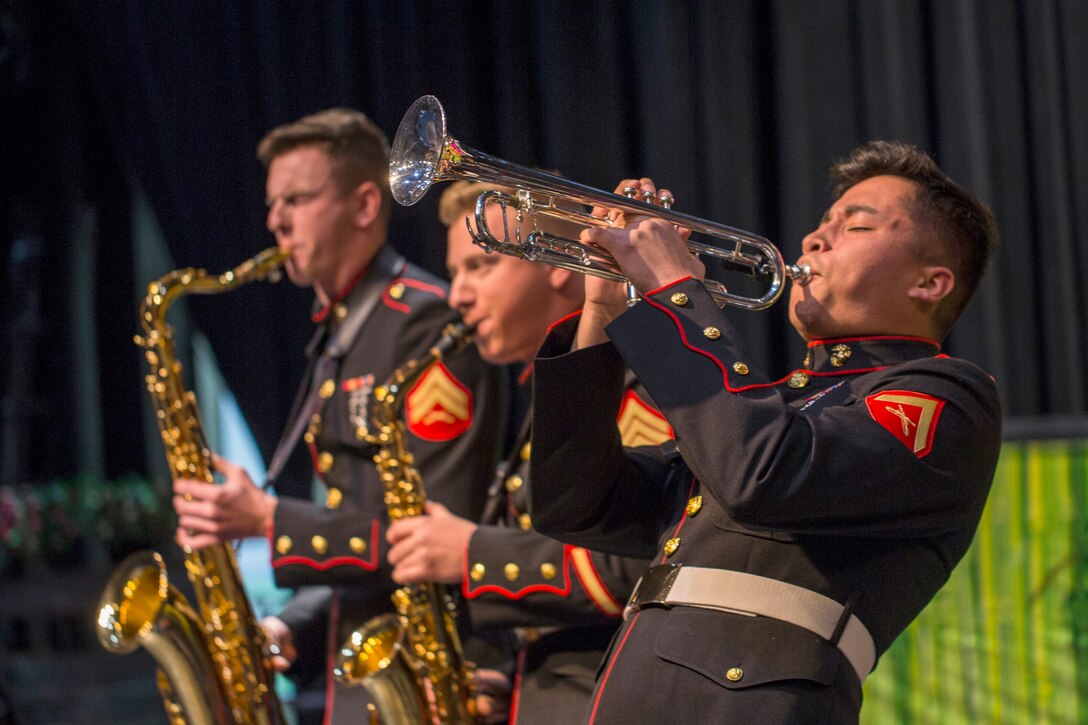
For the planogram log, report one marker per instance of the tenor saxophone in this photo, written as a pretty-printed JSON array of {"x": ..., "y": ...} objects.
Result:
[
  {"x": 212, "y": 667},
  {"x": 411, "y": 662}
]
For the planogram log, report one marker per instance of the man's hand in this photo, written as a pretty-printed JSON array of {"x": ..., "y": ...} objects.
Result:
[
  {"x": 281, "y": 643},
  {"x": 650, "y": 252},
  {"x": 493, "y": 693},
  {"x": 210, "y": 514},
  {"x": 429, "y": 548}
]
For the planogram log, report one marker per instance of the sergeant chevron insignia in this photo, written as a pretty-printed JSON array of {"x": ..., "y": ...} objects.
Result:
[
  {"x": 911, "y": 417},
  {"x": 640, "y": 423},
  {"x": 439, "y": 406}
]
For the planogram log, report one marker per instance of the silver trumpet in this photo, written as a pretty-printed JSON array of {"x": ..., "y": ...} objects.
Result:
[{"x": 423, "y": 153}]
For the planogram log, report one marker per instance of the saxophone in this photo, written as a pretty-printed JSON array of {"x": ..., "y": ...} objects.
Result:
[
  {"x": 212, "y": 667},
  {"x": 411, "y": 662}
]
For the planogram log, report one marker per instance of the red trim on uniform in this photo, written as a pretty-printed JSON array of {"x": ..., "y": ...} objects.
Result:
[
  {"x": 521, "y": 593},
  {"x": 337, "y": 560},
  {"x": 611, "y": 664},
  {"x": 670, "y": 284},
  {"x": 424, "y": 286},
  {"x": 593, "y": 584},
  {"x": 864, "y": 338},
  {"x": 321, "y": 314},
  {"x": 525, "y": 374},
  {"x": 561, "y": 320},
  {"x": 312, "y": 448},
  {"x": 680, "y": 525},
  {"x": 515, "y": 696}
]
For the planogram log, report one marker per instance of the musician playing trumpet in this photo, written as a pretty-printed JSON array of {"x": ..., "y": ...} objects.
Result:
[{"x": 806, "y": 518}]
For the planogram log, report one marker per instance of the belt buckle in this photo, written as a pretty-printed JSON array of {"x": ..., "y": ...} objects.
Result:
[{"x": 654, "y": 586}]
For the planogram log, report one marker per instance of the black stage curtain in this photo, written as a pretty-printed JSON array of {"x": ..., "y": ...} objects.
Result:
[{"x": 738, "y": 106}]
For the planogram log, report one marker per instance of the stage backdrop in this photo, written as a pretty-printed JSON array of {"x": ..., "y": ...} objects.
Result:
[
  {"x": 738, "y": 106},
  {"x": 1006, "y": 641}
]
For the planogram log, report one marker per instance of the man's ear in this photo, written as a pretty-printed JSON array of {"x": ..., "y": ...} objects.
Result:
[
  {"x": 368, "y": 203},
  {"x": 934, "y": 283},
  {"x": 559, "y": 278}
]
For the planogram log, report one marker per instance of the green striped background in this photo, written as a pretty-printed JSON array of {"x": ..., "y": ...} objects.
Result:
[{"x": 1006, "y": 640}]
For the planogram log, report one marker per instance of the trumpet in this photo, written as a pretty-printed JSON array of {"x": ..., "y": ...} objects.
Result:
[{"x": 423, "y": 153}]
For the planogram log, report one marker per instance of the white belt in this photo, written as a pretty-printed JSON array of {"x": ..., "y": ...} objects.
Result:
[{"x": 753, "y": 595}]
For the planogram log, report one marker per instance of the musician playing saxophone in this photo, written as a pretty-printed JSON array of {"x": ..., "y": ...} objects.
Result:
[
  {"x": 328, "y": 204},
  {"x": 564, "y": 602}
]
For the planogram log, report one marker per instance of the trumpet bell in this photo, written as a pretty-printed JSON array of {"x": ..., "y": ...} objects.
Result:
[{"x": 417, "y": 150}]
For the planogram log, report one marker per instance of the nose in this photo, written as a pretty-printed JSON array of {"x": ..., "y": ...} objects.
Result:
[
  {"x": 814, "y": 241},
  {"x": 461, "y": 296},
  {"x": 276, "y": 219}
]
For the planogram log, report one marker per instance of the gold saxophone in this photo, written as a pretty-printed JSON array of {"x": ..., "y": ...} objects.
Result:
[
  {"x": 411, "y": 662},
  {"x": 212, "y": 665}
]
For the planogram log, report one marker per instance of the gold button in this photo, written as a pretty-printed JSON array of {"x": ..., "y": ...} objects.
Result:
[
  {"x": 740, "y": 368},
  {"x": 511, "y": 571},
  {"x": 315, "y": 424},
  {"x": 327, "y": 388},
  {"x": 712, "y": 333},
  {"x": 397, "y": 291},
  {"x": 525, "y": 452},
  {"x": 799, "y": 379},
  {"x": 694, "y": 504},
  {"x": 320, "y": 544},
  {"x": 671, "y": 546},
  {"x": 333, "y": 498},
  {"x": 324, "y": 462},
  {"x": 477, "y": 572},
  {"x": 357, "y": 544},
  {"x": 808, "y": 360},
  {"x": 679, "y": 299},
  {"x": 339, "y": 312},
  {"x": 525, "y": 522},
  {"x": 733, "y": 674},
  {"x": 283, "y": 544},
  {"x": 548, "y": 571},
  {"x": 513, "y": 483}
]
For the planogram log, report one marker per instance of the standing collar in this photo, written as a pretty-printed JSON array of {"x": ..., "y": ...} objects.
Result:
[
  {"x": 856, "y": 354},
  {"x": 339, "y": 328}
]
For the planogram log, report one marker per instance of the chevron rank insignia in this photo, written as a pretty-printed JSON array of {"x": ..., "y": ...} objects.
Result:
[
  {"x": 910, "y": 417},
  {"x": 439, "y": 407},
  {"x": 640, "y": 423}
]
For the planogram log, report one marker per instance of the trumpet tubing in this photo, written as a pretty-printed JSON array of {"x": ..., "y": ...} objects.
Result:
[{"x": 423, "y": 153}]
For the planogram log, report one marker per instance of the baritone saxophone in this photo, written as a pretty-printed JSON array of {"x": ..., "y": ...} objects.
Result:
[{"x": 212, "y": 666}]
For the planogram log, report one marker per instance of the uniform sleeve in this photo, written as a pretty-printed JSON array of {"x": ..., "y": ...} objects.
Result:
[
  {"x": 313, "y": 544},
  {"x": 517, "y": 578},
  {"x": 586, "y": 490},
  {"x": 774, "y": 465}
]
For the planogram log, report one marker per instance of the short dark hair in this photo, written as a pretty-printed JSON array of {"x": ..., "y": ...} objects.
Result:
[
  {"x": 964, "y": 227},
  {"x": 358, "y": 149}
]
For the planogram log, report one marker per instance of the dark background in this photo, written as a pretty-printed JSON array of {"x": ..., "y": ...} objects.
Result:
[
  {"x": 117, "y": 117},
  {"x": 739, "y": 107}
]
